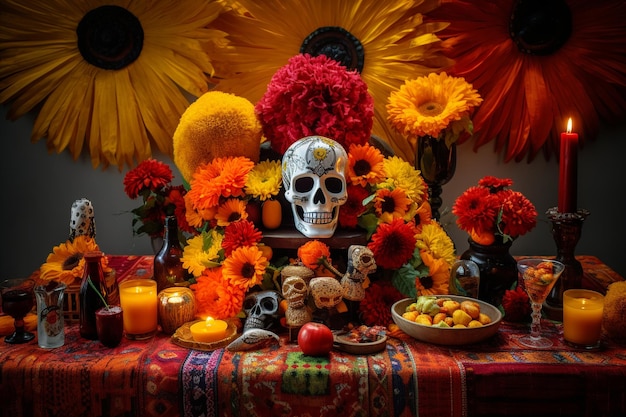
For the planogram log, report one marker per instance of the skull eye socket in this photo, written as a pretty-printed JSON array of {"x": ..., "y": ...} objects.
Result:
[
  {"x": 303, "y": 184},
  {"x": 324, "y": 299},
  {"x": 248, "y": 303},
  {"x": 334, "y": 185},
  {"x": 268, "y": 304},
  {"x": 299, "y": 286}
]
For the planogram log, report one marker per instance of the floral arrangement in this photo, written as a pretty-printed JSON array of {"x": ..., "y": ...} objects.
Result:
[
  {"x": 66, "y": 262},
  {"x": 436, "y": 105},
  {"x": 315, "y": 96},
  {"x": 224, "y": 254},
  {"x": 389, "y": 199},
  {"x": 493, "y": 211},
  {"x": 152, "y": 180}
]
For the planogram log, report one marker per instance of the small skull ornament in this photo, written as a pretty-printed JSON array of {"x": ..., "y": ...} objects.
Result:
[
  {"x": 261, "y": 309},
  {"x": 360, "y": 264},
  {"x": 327, "y": 292},
  {"x": 295, "y": 291},
  {"x": 315, "y": 184}
]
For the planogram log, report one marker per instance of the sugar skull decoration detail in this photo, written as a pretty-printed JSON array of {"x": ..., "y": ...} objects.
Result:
[
  {"x": 82, "y": 219},
  {"x": 315, "y": 185}
]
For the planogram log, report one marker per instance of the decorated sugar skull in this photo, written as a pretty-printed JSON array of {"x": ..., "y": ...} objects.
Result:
[
  {"x": 261, "y": 309},
  {"x": 315, "y": 184}
]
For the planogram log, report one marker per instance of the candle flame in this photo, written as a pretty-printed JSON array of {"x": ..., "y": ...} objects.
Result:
[
  {"x": 569, "y": 125},
  {"x": 209, "y": 321}
]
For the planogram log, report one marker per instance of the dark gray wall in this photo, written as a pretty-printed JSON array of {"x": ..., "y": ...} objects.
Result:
[{"x": 38, "y": 189}]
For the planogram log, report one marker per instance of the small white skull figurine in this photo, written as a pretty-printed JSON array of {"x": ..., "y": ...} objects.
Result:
[
  {"x": 295, "y": 291},
  {"x": 315, "y": 184},
  {"x": 261, "y": 309}
]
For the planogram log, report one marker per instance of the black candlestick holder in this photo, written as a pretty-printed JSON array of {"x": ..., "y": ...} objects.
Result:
[{"x": 566, "y": 230}]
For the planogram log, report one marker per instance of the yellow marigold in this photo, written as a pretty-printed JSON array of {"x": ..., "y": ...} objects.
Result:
[
  {"x": 427, "y": 105},
  {"x": 202, "y": 251},
  {"x": 435, "y": 241},
  {"x": 66, "y": 263},
  {"x": 401, "y": 174},
  {"x": 265, "y": 180},
  {"x": 216, "y": 125}
]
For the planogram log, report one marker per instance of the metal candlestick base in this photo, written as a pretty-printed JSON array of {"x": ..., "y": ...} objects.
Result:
[{"x": 566, "y": 230}]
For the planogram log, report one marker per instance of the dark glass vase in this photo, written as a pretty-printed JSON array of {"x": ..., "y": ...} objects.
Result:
[
  {"x": 498, "y": 269},
  {"x": 437, "y": 163}
]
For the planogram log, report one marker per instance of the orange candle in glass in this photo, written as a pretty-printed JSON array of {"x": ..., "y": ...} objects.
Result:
[
  {"x": 209, "y": 331},
  {"x": 582, "y": 318},
  {"x": 138, "y": 298}
]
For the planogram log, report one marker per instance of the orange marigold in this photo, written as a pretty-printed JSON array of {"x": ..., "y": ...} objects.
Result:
[{"x": 312, "y": 251}]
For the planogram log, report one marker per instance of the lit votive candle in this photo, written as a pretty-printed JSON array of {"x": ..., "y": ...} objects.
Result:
[
  {"x": 138, "y": 298},
  {"x": 209, "y": 331},
  {"x": 582, "y": 318}
]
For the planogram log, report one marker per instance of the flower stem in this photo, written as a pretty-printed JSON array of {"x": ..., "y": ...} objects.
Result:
[{"x": 106, "y": 305}]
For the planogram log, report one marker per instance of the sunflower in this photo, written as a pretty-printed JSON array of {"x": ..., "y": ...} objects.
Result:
[
  {"x": 536, "y": 64},
  {"x": 202, "y": 251},
  {"x": 66, "y": 263},
  {"x": 245, "y": 266},
  {"x": 384, "y": 41},
  {"x": 106, "y": 75}
]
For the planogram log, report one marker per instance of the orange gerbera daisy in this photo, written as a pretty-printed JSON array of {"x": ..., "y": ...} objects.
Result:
[
  {"x": 391, "y": 204},
  {"x": 537, "y": 63},
  {"x": 365, "y": 165},
  {"x": 436, "y": 282},
  {"x": 245, "y": 267},
  {"x": 230, "y": 211}
]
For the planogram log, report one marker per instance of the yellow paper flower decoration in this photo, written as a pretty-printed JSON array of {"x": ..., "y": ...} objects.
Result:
[
  {"x": 106, "y": 74},
  {"x": 216, "y": 125},
  {"x": 385, "y": 41}
]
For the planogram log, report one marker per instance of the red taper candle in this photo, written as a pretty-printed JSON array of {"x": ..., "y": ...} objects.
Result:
[{"x": 568, "y": 170}]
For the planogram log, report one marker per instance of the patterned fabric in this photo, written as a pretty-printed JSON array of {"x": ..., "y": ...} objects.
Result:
[{"x": 156, "y": 378}]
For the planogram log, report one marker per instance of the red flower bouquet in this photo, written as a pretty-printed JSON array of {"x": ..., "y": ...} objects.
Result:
[{"x": 491, "y": 210}]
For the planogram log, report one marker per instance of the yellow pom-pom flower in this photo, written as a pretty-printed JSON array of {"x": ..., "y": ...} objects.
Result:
[{"x": 217, "y": 124}]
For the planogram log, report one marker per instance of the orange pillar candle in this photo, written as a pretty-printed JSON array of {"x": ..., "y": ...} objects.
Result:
[
  {"x": 582, "y": 317},
  {"x": 138, "y": 298},
  {"x": 209, "y": 331},
  {"x": 568, "y": 170}
]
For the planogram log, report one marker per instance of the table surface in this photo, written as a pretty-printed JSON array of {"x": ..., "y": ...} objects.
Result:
[{"x": 408, "y": 378}]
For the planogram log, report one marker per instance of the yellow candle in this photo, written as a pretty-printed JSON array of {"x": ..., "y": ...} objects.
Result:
[
  {"x": 582, "y": 317},
  {"x": 138, "y": 299},
  {"x": 209, "y": 330}
]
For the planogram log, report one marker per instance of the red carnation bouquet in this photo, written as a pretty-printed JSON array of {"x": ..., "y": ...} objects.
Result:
[
  {"x": 492, "y": 210},
  {"x": 315, "y": 96}
]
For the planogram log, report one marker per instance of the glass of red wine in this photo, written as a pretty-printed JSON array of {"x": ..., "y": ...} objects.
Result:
[{"x": 17, "y": 300}]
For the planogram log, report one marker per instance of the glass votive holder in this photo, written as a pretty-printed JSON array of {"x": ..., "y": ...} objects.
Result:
[
  {"x": 582, "y": 318},
  {"x": 176, "y": 306},
  {"x": 138, "y": 299},
  {"x": 464, "y": 278},
  {"x": 110, "y": 325}
]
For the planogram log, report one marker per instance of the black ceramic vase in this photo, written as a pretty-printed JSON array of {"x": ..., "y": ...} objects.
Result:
[{"x": 498, "y": 269}]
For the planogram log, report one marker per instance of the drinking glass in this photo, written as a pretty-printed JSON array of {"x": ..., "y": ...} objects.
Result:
[
  {"x": 17, "y": 301},
  {"x": 538, "y": 277}
]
